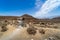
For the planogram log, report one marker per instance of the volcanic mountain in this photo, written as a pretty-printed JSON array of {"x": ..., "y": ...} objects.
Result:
[{"x": 29, "y": 18}]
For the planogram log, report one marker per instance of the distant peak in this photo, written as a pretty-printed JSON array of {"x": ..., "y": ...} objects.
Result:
[
  {"x": 26, "y": 15},
  {"x": 57, "y": 17}
]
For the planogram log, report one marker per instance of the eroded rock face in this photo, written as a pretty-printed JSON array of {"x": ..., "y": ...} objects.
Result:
[{"x": 31, "y": 30}]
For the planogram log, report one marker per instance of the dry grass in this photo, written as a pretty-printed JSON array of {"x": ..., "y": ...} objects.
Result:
[
  {"x": 23, "y": 34},
  {"x": 39, "y": 33}
]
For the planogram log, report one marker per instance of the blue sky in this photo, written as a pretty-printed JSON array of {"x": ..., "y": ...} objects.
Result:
[
  {"x": 16, "y": 7},
  {"x": 36, "y": 8}
]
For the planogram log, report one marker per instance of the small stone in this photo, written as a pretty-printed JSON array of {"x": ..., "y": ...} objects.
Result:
[
  {"x": 32, "y": 39},
  {"x": 45, "y": 39},
  {"x": 51, "y": 38}
]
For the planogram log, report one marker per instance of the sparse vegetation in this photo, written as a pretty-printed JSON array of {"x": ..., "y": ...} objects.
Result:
[
  {"x": 4, "y": 29},
  {"x": 44, "y": 29},
  {"x": 31, "y": 30}
]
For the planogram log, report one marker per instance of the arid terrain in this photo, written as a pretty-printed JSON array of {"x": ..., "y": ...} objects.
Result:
[{"x": 33, "y": 28}]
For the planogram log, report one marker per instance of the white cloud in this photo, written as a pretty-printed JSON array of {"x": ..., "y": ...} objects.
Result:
[
  {"x": 38, "y": 3},
  {"x": 48, "y": 6}
]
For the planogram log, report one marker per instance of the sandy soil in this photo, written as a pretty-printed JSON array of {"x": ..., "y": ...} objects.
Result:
[{"x": 21, "y": 34}]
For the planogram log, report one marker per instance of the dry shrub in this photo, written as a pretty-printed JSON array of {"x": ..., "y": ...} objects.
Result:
[
  {"x": 3, "y": 29},
  {"x": 31, "y": 30},
  {"x": 42, "y": 31},
  {"x": 42, "y": 23}
]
